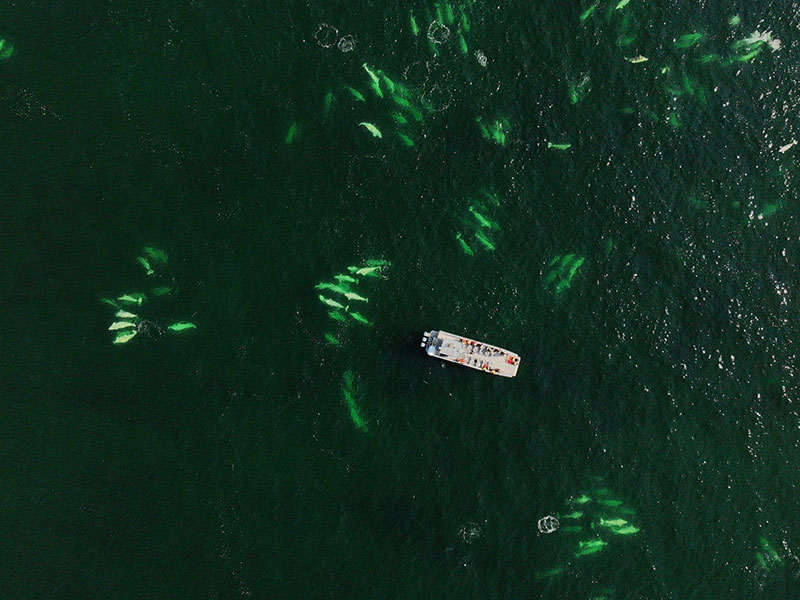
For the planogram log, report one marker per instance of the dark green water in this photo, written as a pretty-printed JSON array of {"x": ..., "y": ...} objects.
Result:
[{"x": 223, "y": 462}]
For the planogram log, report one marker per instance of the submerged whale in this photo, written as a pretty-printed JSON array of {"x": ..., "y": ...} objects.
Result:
[
  {"x": 354, "y": 296},
  {"x": 372, "y": 129},
  {"x": 330, "y": 302}
]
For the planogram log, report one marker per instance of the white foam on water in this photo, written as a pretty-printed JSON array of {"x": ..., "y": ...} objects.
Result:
[
  {"x": 326, "y": 35},
  {"x": 347, "y": 43},
  {"x": 438, "y": 33}
]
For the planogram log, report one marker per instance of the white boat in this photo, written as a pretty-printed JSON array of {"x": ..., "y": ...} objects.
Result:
[{"x": 470, "y": 353}]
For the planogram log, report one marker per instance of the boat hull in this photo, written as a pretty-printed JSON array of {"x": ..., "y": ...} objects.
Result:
[{"x": 470, "y": 353}]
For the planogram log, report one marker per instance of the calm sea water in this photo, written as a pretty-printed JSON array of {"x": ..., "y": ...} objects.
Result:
[{"x": 221, "y": 462}]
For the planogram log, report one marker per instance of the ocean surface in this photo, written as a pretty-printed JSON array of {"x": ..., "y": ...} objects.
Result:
[{"x": 628, "y": 226}]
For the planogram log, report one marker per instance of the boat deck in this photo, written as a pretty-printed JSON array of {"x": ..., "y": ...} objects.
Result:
[{"x": 471, "y": 353}]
